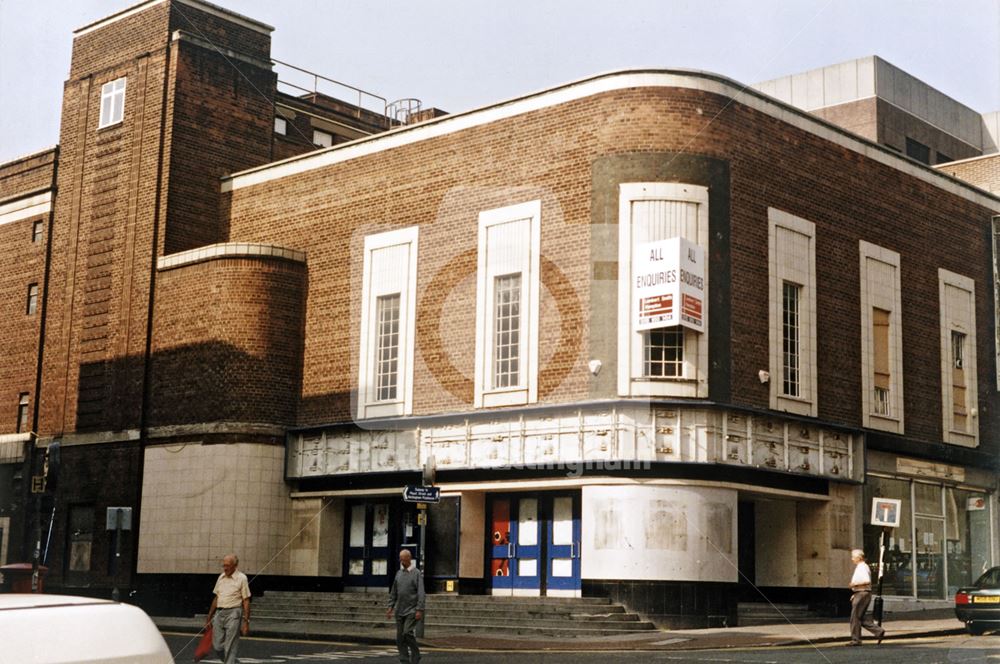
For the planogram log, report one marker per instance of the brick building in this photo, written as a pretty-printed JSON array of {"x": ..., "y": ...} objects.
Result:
[{"x": 655, "y": 336}]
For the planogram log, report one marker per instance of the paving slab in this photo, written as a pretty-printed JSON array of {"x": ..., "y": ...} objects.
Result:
[{"x": 938, "y": 622}]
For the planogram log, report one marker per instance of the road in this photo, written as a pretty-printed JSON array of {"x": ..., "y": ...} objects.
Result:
[{"x": 937, "y": 650}]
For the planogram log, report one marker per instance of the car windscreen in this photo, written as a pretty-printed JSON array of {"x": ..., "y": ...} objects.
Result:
[{"x": 989, "y": 580}]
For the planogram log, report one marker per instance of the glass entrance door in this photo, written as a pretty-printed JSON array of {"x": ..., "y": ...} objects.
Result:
[
  {"x": 369, "y": 550},
  {"x": 562, "y": 556}
]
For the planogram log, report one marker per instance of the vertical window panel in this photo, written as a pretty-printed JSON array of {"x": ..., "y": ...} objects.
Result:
[{"x": 790, "y": 341}]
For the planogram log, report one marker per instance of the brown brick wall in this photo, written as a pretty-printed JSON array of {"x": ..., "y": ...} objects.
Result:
[
  {"x": 22, "y": 262},
  {"x": 227, "y": 342},
  {"x": 983, "y": 172},
  {"x": 221, "y": 121},
  {"x": 101, "y": 260},
  {"x": 27, "y": 174},
  {"x": 441, "y": 184}
]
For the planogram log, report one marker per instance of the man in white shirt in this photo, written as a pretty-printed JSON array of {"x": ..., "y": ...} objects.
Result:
[
  {"x": 229, "y": 614},
  {"x": 861, "y": 596}
]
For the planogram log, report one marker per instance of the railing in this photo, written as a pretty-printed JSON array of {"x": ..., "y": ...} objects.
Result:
[{"x": 366, "y": 101}]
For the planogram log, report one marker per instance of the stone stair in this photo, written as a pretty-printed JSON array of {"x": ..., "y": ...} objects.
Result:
[
  {"x": 451, "y": 614},
  {"x": 762, "y": 613}
]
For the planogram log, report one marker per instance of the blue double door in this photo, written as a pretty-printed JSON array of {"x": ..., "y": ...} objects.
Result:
[{"x": 534, "y": 546}]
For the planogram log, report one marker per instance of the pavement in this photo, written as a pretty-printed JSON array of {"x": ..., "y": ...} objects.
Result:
[{"x": 910, "y": 624}]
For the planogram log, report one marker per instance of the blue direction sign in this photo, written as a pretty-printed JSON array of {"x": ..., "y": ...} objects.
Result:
[{"x": 422, "y": 494}]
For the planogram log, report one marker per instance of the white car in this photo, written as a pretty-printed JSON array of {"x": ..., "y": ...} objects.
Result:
[{"x": 60, "y": 629}]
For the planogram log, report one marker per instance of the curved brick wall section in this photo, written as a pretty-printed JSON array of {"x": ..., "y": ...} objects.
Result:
[
  {"x": 228, "y": 341},
  {"x": 549, "y": 154}
]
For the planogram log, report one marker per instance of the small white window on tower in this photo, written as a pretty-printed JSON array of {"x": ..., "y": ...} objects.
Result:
[
  {"x": 280, "y": 126},
  {"x": 112, "y": 103},
  {"x": 323, "y": 139}
]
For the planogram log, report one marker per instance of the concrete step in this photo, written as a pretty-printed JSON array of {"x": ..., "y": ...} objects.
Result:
[
  {"x": 563, "y": 617},
  {"x": 458, "y": 619},
  {"x": 468, "y": 627},
  {"x": 753, "y": 613},
  {"x": 580, "y": 613},
  {"x": 526, "y": 608},
  {"x": 376, "y": 597}
]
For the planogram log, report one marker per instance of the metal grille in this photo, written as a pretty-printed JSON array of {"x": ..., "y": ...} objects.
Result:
[
  {"x": 507, "y": 331},
  {"x": 791, "y": 351},
  {"x": 387, "y": 361},
  {"x": 663, "y": 353}
]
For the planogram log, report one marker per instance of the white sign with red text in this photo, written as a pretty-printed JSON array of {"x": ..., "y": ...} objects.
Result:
[{"x": 668, "y": 287}]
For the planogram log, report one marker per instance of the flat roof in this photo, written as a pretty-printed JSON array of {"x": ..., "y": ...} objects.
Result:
[{"x": 207, "y": 7}]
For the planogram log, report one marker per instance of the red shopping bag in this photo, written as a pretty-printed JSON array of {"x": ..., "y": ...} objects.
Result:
[{"x": 204, "y": 648}]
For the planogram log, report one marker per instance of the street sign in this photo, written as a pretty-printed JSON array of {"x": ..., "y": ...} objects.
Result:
[
  {"x": 38, "y": 484},
  {"x": 422, "y": 494},
  {"x": 112, "y": 518},
  {"x": 886, "y": 512},
  {"x": 422, "y": 519}
]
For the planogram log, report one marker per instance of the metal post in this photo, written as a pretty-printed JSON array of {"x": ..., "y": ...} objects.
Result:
[
  {"x": 36, "y": 556},
  {"x": 115, "y": 595},
  {"x": 879, "y": 605}
]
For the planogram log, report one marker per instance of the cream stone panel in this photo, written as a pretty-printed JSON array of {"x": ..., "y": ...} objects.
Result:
[
  {"x": 317, "y": 537},
  {"x": 776, "y": 543},
  {"x": 200, "y": 502},
  {"x": 659, "y": 533},
  {"x": 472, "y": 529}
]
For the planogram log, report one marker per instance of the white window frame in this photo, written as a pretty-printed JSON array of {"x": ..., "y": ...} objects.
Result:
[
  {"x": 806, "y": 403},
  {"x": 953, "y": 320},
  {"x": 327, "y": 138},
  {"x": 526, "y": 390},
  {"x": 631, "y": 382},
  {"x": 115, "y": 96},
  {"x": 368, "y": 405},
  {"x": 894, "y": 422},
  {"x": 280, "y": 125}
]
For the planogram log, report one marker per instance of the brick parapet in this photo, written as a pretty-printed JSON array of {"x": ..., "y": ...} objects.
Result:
[{"x": 546, "y": 154}]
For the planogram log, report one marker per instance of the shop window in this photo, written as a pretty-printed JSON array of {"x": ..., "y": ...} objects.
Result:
[
  {"x": 280, "y": 126},
  {"x": 22, "y": 412},
  {"x": 967, "y": 538},
  {"x": 671, "y": 360},
  {"x": 507, "y": 300},
  {"x": 958, "y": 359},
  {"x": 943, "y": 541},
  {"x": 898, "y": 578},
  {"x": 881, "y": 338},
  {"x": 112, "y": 103},
  {"x": 36, "y": 232},
  {"x": 792, "y": 306},
  {"x": 385, "y": 378}
]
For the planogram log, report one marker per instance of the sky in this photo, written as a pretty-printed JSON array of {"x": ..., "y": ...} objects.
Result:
[{"x": 461, "y": 54}]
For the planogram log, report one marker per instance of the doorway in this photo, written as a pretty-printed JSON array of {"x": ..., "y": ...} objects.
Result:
[{"x": 534, "y": 544}]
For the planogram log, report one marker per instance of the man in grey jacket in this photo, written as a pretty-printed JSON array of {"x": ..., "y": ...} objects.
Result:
[{"x": 406, "y": 600}]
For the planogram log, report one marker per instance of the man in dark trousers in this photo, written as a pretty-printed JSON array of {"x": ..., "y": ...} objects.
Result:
[
  {"x": 406, "y": 600},
  {"x": 861, "y": 596}
]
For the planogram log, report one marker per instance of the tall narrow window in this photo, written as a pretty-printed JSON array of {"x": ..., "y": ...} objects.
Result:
[
  {"x": 507, "y": 331},
  {"x": 959, "y": 391},
  {"x": 388, "y": 347},
  {"x": 663, "y": 352},
  {"x": 32, "y": 306},
  {"x": 388, "y": 321},
  {"x": 881, "y": 338},
  {"x": 36, "y": 232},
  {"x": 112, "y": 103},
  {"x": 22, "y": 412},
  {"x": 507, "y": 300},
  {"x": 790, "y": 341},
  {"x": 881, "y": 361},
  {"x": 959, "y": 388},
  {"x": 663, "y": 361},
  {"x": 792, "y": 313}
]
